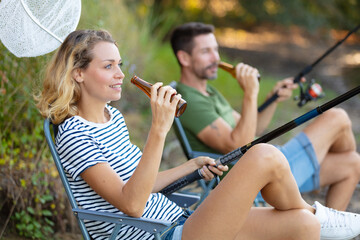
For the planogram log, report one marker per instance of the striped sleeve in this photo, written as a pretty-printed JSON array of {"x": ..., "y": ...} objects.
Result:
[{"x": 78, "y": 151}]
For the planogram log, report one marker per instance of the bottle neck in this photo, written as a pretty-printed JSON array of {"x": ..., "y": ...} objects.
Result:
[
  {"x": 228, "y": 67},
  {"x": 142, "y": 84}
]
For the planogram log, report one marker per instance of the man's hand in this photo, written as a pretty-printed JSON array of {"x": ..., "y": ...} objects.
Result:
[
  {"x": 284, "y": 89},
  {"x": 247, "y": 77}
]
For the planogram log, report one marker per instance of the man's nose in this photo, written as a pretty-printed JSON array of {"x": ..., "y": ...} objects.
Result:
[{"x": 215, "y": 56}]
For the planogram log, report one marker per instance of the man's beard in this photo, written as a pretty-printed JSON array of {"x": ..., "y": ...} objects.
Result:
[{"x": 203, "y": 75}]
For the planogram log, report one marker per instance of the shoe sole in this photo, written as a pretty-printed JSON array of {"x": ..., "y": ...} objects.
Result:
[{"x": 348, "y": 238}]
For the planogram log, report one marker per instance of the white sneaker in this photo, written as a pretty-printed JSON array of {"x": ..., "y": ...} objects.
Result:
[{"x": 337, "y": 224}]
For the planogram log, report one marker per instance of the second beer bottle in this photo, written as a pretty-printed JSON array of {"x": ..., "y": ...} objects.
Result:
[{"x": 230, "y": 69}]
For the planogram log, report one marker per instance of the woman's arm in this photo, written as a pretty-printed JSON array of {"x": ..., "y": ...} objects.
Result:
[{"x": 131, "y": 197}]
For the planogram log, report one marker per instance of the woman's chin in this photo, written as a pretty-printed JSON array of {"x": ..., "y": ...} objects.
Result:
[{"x": 115, "y": 98}]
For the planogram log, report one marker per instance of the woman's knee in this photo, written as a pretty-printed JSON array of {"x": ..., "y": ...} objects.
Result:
[{"x": 270, "y": 159}]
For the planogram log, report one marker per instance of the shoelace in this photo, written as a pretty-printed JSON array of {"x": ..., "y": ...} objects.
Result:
[{"x": 336, "y": 219}]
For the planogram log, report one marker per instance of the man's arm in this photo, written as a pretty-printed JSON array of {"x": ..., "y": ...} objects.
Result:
[
  {"x": 265, "y": 117},
  {"x": 219, "y": 135}
]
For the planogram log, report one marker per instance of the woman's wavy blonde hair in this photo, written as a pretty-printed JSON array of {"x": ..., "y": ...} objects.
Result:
[{"x": 60, "y": 94}]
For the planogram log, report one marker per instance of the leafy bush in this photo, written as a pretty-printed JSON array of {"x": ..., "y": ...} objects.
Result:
[
  {"x": 26, "y": 171},
  {"x": 32, "y": 200}
]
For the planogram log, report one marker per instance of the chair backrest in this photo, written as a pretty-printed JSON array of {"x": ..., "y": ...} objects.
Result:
[{"x": 55, "y": 155}]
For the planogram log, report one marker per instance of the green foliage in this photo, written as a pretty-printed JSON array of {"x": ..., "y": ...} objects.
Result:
[
  {"x": 342, "y": 14},
  {"x": 34, "y": 224},
  {"x": 31, "y": 194},
  {"x": 26, "y": 171}
]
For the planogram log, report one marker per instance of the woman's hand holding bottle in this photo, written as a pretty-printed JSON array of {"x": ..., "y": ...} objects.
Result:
[{"x": 164, "y": 100}]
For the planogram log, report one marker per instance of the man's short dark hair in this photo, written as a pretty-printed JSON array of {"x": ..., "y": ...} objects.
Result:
[{"x": 183, "y": 35}]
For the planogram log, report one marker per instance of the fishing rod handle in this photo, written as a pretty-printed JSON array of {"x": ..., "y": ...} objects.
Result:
[
  {"x": 196, "y": 175},
  {"x": 182, "y": 182},
  {"x": 268, "y": 102},
  {"x": 231, "y": 156}
]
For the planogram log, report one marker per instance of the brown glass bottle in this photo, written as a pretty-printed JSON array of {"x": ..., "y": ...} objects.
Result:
[
  {"x": 145, "y": 87},
  {"x": 230, "y": 69}
]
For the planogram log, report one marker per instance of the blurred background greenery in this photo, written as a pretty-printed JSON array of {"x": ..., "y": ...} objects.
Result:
[{"x": 32, "y": 200}]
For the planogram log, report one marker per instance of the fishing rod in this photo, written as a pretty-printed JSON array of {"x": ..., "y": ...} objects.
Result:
[
  {"x": 314, "y": 90},
  {"x": 239, "y": 152}
]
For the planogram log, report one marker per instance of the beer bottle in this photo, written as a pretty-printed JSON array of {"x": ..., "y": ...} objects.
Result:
[{"x": 145, "y": 87}]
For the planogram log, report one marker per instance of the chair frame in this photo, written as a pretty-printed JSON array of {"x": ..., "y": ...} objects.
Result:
[{"x": 150, "y": 225}]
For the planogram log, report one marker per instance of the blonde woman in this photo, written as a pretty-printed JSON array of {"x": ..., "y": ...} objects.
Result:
[{"x": 108, "y": 173}]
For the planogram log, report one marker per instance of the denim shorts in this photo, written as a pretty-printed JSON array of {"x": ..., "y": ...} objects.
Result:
[
  {"x": 303, "y": 162},
  {"x": 174, "y": 231}
]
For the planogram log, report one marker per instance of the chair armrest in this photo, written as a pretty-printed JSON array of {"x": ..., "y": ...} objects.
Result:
[
  {"x": 146, "y": 224},
  {"x": 183, "y": 200}
]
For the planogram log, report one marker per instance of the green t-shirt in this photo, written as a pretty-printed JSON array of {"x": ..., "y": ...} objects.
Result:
[{"x": 201, "y": 111}]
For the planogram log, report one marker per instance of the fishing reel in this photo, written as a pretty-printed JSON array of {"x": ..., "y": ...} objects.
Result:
[{"x": 311, "y": 92}]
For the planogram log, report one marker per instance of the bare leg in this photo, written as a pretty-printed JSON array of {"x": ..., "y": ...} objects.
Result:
[
  {"x": 291, "y": 224},
  {"x": 342, "y": 177},
  {"x": 225, "y": 211},
  {"x": 335, "y": 148}
]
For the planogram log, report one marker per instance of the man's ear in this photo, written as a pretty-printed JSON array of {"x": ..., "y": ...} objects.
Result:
[
  {"x": 184, "y": 58},
  {"x": 77, "y": 75}
]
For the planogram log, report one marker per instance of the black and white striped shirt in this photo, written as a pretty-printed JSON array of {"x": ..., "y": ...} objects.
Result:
[{"x": 82, "y": 144}]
